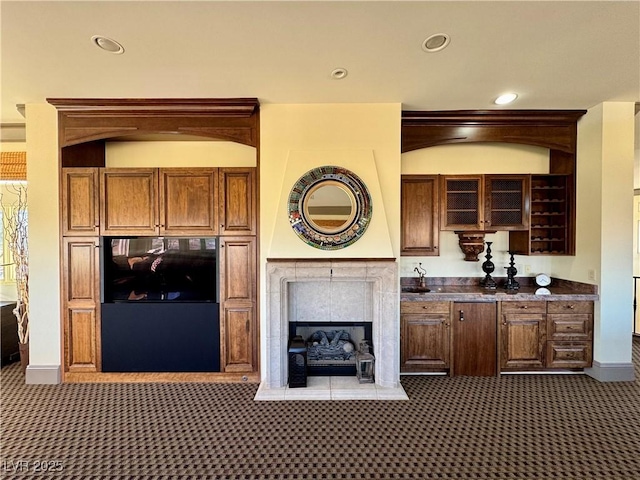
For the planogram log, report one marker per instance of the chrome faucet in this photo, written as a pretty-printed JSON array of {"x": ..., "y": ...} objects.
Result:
[{"x": 421, "y": 273}]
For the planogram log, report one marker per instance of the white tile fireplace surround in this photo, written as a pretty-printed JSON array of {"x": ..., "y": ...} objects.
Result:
[{"x": 334, "y": 290}]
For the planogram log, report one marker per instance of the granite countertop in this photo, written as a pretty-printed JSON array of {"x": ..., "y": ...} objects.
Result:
[{"x": 451, "y": 289}]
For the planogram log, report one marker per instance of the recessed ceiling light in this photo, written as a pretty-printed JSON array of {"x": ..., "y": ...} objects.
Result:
[
  {"x": 505, "y": 98},
  {"x": 436, "y": 42},
  {"x": 108, "y": 44},
  {"x": 339, "y": 73}
]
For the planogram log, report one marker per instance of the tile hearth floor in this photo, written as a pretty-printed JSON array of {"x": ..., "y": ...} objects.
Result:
[{"x": 332, "y": 388}]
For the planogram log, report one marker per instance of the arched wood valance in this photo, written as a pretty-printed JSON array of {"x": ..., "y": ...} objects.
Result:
[
  {"x": 553, "y": 129},
  {"x": 84, "y": 124}
]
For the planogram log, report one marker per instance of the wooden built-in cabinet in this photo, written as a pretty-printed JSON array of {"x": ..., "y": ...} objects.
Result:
[
  {"x": 484, "y": 202},
  {"x": 81, "y": 304},
  {"x": 80, "y": 201},
  {"x": 166, "y": 201},
  {"x": 238, "y": 326},
  {"x": 569, "y": 334},
  {"x": 482, "y": 338},
  {"x": 425, "y": 336},
  {"x": 522, "y": 335},
  {"x": 552, "y": 220},
  {"x": 98, "y": 201},
  {"x": 420, "y": 208}
]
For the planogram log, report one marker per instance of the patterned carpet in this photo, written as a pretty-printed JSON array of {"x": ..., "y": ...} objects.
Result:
[{"x": 526, "y": 426}]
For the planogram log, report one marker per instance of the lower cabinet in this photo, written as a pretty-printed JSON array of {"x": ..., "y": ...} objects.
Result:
[
  {"x": 425, "y": 336},
  {"x": 522, "y": 335},
  {"x": 569, "y": 334},
  {"x": 463, "y": 338}
]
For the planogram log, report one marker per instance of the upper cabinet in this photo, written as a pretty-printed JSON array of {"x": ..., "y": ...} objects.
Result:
[
  {"x": 485, "y": 202},
  {"x": 538, "y": 210},
  {"x": 238, "y": 205},
  {"x": 165, "y": 201},
  {"x": 420, "y": 201}
]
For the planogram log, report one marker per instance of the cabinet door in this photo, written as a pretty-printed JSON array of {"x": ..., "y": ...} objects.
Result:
[
  {"x": 238, "y": 330},
  {"x": 506, "y": 202},
  {"x": 188, "y": 201},
  {"x": 129, "y": 201},
  {"x": 474, "y": 339},
  {"x": 420, "y": 207},
  {"x": 80, "y": 189},
  {"x": 81, "y": 290},
  {"x": 425, "y": 342},
  {"x": 523, "y": 336},
  {"x": 461, "y": 203},
  {"x": 237, "y": 201}
]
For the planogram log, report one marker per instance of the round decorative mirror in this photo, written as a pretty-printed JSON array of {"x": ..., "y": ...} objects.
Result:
[{"x": 329, "y": 207}]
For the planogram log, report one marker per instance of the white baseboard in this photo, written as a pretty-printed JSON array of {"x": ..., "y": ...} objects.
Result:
[
  {"x": 43, "y": 375},
  {"x": 611, "y": 372}
]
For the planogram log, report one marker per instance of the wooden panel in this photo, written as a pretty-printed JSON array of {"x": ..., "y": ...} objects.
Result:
[
  {"x": 80, "y": 187},
  {"x": 81, "y": 345},
  {"x": 238, "y": 352},
  {"x": 420, "y": 210},
  {"x": 569, "y": 354},
  {"x": 425, "y": 342},
  {"x": 569, "y": 307},
  {"x": 424, "y": 307},
  {"x": 237, "y": 263},
  {"x": 188, "y": 201},
  {"x": 129, "y": 201},
  {"x": 524, "y": 307},
  {"x": 237, "y": 201},
  {"x": 474, "y": 339},
  {"x": 523, "y": 338},
  {"x": 570, "y": 327},
  {"x": 81, "y": 270}
]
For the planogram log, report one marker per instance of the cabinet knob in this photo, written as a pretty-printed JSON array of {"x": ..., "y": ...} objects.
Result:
[
  {"x": 524, "y": 306},
  {"x": 571, "y": 307},
  {"x": 504, "y": 323}
]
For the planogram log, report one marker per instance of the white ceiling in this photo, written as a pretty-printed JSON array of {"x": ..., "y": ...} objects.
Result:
[{"x": 556, "y": 55}]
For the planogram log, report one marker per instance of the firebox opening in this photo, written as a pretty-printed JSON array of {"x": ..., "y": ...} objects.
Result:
[{"x": 332, "y": 346}]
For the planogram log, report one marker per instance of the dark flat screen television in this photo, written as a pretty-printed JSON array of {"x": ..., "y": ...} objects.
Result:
[{"x": 159, "y": 269}]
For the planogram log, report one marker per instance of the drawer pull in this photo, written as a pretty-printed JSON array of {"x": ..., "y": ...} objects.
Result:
[
  {"x": 524, "y": 306},
  {"x": 571, "y": 307},
  {"x": 461, "y": 315}
]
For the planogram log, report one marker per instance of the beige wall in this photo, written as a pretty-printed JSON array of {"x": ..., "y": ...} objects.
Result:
[{"x": 44, "y": 236}]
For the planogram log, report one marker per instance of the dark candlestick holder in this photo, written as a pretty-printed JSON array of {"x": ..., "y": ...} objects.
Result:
[
  {"x": 488, "y": 267},
  {"x": 511, "y": 285}
]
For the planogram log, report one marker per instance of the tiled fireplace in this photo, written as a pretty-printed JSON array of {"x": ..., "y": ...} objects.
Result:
[{"x": 326, "y": 291}]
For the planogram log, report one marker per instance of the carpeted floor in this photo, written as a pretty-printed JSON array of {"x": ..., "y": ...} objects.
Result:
[{"x": 526, "y": 426}]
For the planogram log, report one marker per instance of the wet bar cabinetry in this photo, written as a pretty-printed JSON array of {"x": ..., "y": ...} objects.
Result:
[
  {"x": 420, "y": 210},
  {"x": 207, "y": 201},
  {"x": 531, "y": 335}
]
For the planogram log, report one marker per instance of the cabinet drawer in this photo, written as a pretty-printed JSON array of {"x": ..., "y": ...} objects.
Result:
[
  {"x": 424, "y": 307},
  {"x": 569, "y": 327},
  {"x": 569, "y": 354},
  {"x": 524, "y": 307},
  {"x": 569, "y": 307}
]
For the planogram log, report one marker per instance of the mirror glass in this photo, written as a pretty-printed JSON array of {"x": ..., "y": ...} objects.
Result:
[{"x": 329, "y": 207}]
